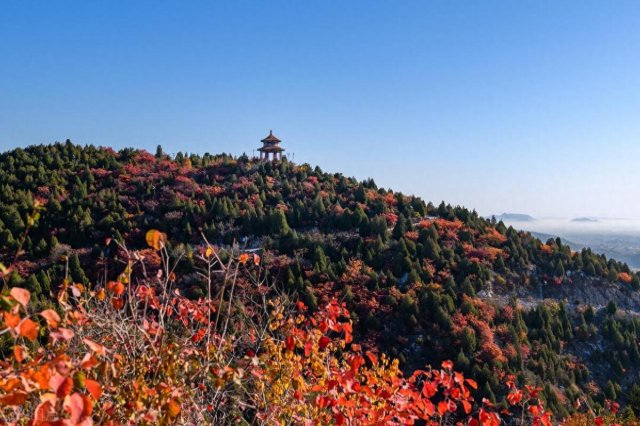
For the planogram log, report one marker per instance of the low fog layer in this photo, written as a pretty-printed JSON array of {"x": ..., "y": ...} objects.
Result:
[
  {"x": 579, "y": 226},
  {"x": 617, "y": 238}
]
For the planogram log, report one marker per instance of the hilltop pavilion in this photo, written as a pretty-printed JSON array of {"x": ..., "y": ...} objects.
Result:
[{"x": 271, "y": 145}]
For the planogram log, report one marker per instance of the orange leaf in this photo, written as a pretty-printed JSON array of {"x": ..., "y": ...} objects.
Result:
[
  {"x": 514, "y": 397},
  {"x": 89, "y": 361},
  {"x": 535, "y": 410},
  {"x": 28, "y": 329},
  {"x": 155, "y": 239},
  {"x": 173, "y": 408},
  {"x": 87, "y": 408},
  {"x": 52, "y": 317},
  {"x": 467, "y": 406},
  {"x": 442, "y": 408},
  {"x": 95, "y": 347},
  {"x": 21, "y": 295},
  {"x": 94, "y": 388},
  {"x": 116, "y": 287},
  {"x": 12, "y": 320},
  {"x": 19, "y": 353},
  {"x": 243, "y": 258},
  {"x": 17, "y": 398},
  {"x": 472, "y": 383},
  {"x": 256, "y": 259},
  {"x": 61, "y": 385}
]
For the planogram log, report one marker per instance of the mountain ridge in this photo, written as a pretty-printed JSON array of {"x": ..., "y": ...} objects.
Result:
[{"x": 411, "y": 271}]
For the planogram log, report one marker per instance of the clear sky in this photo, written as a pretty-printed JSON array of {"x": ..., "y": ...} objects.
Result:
[{"x": 518, "y": 106}]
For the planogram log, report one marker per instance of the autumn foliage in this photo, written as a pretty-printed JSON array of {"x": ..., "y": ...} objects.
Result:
[{"x": 136, "y": 351}]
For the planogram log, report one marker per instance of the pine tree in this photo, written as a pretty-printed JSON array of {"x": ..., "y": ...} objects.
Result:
[{"x": 76, "y": 271}]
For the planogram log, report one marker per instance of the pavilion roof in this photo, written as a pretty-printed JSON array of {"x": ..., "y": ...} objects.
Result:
[{"x": 271, "y": 138}]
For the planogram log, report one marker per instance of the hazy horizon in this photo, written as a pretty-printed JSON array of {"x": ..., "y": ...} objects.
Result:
[{"x": 499, "y": 107}]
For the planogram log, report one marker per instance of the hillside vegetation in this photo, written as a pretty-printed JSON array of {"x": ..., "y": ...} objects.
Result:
[{"x": 421, "y": 283}]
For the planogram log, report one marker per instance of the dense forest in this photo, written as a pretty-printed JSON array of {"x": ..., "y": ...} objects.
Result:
[{"x": 422, "y": 282}]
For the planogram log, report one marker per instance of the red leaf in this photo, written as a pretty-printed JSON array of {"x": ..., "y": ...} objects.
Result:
[
  {"x": 74, "y": 405},
  {"x": 289, "y": 343},
  {"x": 43, "y": 411},
  {"x": 324, "y": 342},
  {"x": 429, "y": 389},
  {"x": 372, "y": 358}
]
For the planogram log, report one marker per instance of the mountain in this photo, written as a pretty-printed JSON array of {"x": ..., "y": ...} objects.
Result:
[
  {"x": 515, "y": 217},
  {"x": 584, "y": 219},
  {"x": 423, "y": 283}
]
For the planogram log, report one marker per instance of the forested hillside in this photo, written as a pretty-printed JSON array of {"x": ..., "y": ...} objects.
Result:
[{"x": 423, "y": 283}]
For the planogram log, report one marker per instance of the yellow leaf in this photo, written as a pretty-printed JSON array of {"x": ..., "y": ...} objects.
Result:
[
  {"x": 155, "y": 239},
  {"x": 101, "y": 294}
]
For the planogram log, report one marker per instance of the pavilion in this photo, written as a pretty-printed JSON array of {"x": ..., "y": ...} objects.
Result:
[{"x": 271, "y": 145}]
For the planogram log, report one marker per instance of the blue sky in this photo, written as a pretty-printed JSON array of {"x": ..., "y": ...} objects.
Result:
[{"x": 528, "y": 106}]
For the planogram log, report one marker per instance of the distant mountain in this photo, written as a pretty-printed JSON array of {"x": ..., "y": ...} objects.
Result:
[
  {"x": 515, "y": 217},
  {"x": 546, "y": 237},
  {"x": 584, "y": 219}
]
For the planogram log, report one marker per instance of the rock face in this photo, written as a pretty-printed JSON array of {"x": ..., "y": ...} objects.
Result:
[
  {"x": 578, "y": 289},
  {"x": 597, "y": 292}
]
